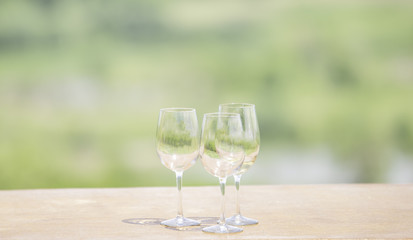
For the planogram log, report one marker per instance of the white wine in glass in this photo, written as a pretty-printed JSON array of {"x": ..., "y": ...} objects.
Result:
[
  {"x": 177, "y": 144},
  {"x": 251, "y": 146},
  {"x": 222, "y": 155}
]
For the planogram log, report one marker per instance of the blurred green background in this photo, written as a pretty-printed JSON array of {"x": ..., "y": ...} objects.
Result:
[{"x": 81, "y": 84}]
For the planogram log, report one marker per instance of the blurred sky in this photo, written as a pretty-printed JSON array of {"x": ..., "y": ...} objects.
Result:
[{"x": 82, "y": 82}]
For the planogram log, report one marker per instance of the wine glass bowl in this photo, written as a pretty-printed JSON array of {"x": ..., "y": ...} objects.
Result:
[
  {"x": 177, "y": 145},
  {"x": 222, "y": 155},
  {"x": 251, "y": 145},
  {"x": 249, "y": 121}
]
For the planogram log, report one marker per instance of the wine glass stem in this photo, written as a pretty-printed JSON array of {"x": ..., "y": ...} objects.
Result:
[
  {"x": 179, "y": 186},
  {"x": 222, "y": 182},
  {"x": 237, "y": 179}
]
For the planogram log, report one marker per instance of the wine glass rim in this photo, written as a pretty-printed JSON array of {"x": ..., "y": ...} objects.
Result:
[
  {"x": 221, "y": 114},
  {"x": 237, "y": 105},
  {"x": 177, "y": 109}
]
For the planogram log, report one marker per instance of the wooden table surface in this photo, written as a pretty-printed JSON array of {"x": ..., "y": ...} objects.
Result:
[{"x": 284, "y": 212}]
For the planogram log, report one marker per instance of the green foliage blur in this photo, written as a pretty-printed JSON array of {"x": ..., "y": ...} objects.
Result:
[{"x": 82, "y": 82}]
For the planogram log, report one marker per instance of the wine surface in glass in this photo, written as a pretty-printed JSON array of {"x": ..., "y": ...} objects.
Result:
[
  {"x": 222, "y": 168},
  {"x": 248, "y": 162},
  {"x": 178, "y": 162}
]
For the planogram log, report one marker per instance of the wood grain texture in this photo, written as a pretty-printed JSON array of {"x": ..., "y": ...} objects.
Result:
[{"x": 284, "y": 212}]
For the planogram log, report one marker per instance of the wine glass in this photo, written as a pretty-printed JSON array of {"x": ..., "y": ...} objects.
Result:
[
  {"x": 222, "y": 155},
  {"x": 177, "y": 144},
  {"x": 251, "y": 146}
]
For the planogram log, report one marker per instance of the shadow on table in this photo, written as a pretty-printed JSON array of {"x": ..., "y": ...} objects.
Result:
[{"x": 205, "y": 222}]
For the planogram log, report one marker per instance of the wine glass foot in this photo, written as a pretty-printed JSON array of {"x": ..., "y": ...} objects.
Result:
[
  {"x": 239, "y": 220},
  {"x": 222, "y": 229},
  {"x": 180, "y": 222}
]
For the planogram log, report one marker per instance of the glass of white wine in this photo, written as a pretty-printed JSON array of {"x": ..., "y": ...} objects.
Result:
[
  {"x": 222, "y": 155},
  {"x": 177, "y": 144},
  {"x": 251, "y": 146}
]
